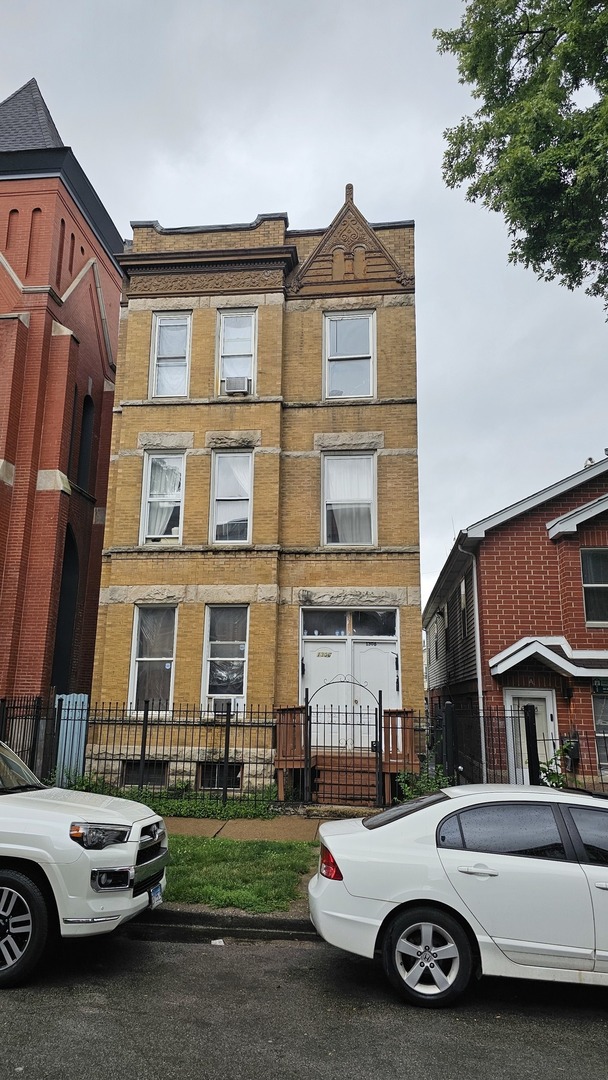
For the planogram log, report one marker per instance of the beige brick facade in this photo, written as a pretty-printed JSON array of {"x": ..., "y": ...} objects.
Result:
[{"x": 286, "y": 284}]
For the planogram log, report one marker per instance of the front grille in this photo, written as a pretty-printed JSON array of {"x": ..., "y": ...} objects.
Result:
[
  {"x": 152, "y": 857},
  {"x": 146, "y": 855},
  {"x": 143, "y": 886}
]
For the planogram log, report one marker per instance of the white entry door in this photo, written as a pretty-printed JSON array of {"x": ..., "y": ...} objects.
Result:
[
  {"x": 375, "y": 665},
  {"x": 344, "y": 709},
  {"x": 331, "y": 701},
  {"x": 546, "y": 730}
]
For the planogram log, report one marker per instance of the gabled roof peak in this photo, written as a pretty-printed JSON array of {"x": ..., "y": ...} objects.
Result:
[
  {"x": 25, "y": 121},
  {"x": 349, "y": 258},
  {"x": 588, "y": 472}
]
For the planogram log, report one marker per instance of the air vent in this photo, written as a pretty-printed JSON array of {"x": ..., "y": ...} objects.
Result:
[{"x": 237, "y": 386}]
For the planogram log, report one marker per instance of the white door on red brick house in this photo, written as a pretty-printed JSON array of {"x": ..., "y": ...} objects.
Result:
[{"x": 547, "y": 736}]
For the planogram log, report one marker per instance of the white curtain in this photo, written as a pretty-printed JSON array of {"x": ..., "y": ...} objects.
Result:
[
  {"x": 165, "y": 480},
  {"x": 237, "y": 346},
  {"x": 349, "y": 336},
  {"x": 171, "y": 378},
  {"x": 233, "y": 485},
  {"x": 233, "y": 472},
  {"x": 348, "y": 500},
  {"x": 236, "y": 367},
  {"x": 171, "y": 367}
]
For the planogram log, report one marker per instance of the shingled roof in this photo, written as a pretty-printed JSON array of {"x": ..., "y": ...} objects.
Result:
[{"x": 25, "y": 121}]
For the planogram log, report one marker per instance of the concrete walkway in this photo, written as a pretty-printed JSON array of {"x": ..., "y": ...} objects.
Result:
[{"x": 285, "y": 827}]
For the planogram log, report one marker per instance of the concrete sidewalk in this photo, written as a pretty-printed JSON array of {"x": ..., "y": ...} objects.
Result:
[{"x": 286, "y": 827}]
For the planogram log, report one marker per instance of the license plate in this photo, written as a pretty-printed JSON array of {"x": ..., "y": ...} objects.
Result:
[{"x": 156, "y": 896}]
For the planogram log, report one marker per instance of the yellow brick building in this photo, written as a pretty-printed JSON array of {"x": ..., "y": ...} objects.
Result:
[{"x": 262, "y": 538}]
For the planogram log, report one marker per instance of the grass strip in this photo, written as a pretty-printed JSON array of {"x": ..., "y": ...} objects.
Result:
[{"x": 253, "y": 875}]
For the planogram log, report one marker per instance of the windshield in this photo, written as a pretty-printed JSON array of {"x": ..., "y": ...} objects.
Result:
[{"x": 14, "y": 773}]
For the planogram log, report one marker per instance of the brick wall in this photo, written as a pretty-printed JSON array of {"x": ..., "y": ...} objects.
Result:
[{"x": 53, "y": 356}]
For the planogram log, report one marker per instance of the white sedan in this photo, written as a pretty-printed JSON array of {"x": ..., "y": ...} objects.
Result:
[{"x": 474, "y": 880}]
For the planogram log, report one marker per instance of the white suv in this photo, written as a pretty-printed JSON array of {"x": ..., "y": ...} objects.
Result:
[{"x": 70, "y": 861}]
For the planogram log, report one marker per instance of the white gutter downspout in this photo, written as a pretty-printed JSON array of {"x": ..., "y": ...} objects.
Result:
[{"x": 477, "y": 658}]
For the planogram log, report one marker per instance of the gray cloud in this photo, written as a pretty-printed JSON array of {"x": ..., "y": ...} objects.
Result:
[{"x": 210, "y": 111}]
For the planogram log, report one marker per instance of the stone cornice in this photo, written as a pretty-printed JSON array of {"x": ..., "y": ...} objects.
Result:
[{"x": 209, "y": 261}]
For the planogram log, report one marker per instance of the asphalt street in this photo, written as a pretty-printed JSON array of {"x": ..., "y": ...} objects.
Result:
[{"x": 121, "y": 1007}]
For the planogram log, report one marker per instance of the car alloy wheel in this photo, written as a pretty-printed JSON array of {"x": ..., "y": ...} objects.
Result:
[
  {"x": 23, "y": 926},
  {"x": 427, "y": 957}
]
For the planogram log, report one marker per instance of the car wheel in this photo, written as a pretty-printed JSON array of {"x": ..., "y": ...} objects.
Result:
[
  {"x": 427, "y": 957},
  {"x": 23, "y": 926}
]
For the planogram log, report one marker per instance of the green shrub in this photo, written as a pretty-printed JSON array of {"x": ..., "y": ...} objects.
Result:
[
  {"x": 425, "y": 782},
  {"x": 181, "y": 801}
]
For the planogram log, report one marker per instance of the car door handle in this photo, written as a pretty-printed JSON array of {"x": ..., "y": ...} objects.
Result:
[
  {"x": 601, "y": 885},
  {"x": 478, "y": 871}
]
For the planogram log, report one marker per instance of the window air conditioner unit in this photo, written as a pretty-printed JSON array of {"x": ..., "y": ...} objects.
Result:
[{"x": 237, "y": 385}]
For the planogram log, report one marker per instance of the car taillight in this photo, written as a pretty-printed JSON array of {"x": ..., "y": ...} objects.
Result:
[{"x": 328, "y": 866}]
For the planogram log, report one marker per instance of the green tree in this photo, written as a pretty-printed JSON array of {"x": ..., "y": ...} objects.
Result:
[{"x": 536, "y": 149}]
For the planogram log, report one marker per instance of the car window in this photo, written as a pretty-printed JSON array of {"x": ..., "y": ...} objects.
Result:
[
  {"x": 593, "y": 828},
  {"x": 449, "y": 834},
  {"x": 410, "y": 807},
  {"x": 509, "y": 829}
]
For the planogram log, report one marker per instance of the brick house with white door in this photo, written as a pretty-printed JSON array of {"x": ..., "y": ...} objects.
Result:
[{"x": 519, "y": 614}]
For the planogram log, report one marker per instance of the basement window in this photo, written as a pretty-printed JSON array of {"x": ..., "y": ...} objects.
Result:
[
  {"x": 154, "y": 773},
  {"x": 212, "y": 775}
]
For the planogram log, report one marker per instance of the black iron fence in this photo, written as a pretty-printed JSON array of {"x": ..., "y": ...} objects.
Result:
[
  {"x": 24, "y": 722},
  {"x": 512, "y": 747},
  {"x": 264, "y": 756}
]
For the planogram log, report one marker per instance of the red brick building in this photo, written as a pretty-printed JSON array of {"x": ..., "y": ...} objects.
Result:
[
  {"x": 59, "y": 306},
  {"x": 519, "y": 614}
]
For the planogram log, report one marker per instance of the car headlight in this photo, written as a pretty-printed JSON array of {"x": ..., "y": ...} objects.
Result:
[{"x": 98, "y": 836}]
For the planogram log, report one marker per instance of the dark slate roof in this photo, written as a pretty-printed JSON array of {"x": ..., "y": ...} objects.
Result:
[{"x": 25, "y": 121}]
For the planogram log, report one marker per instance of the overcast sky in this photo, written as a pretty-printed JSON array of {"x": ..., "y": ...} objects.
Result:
[{"x": 197, "y": 112}]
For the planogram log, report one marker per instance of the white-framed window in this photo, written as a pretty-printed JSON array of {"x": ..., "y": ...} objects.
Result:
[
  {"x": 162, "y": 503},
  {"x": 237, "y": 348},
  {"x": 349, "y": 499},
  {"x": 349, "y": 354},
  {"x": 225, "y": 667},
  {"x": 153, "y": 657},
  {"x": 170, "y": 355},
  {"x": 600, "y": 719},
  {"x": 232, "y": 488},
  {"x": 595, "y": 584}
]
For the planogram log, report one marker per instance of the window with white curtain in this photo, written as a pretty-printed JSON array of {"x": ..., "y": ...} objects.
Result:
[
  {"x": 231, "y": 517},
  {"x": 349, "y": 497},
  {"x": 153, "y": 655},
  {"x": 225, "y": 655},
  {"x": 349, "y": 350},
  {"x": 170, "y": 355},
  {"x": 237, "y": 351},
  {"x": 162, "y": 502}
]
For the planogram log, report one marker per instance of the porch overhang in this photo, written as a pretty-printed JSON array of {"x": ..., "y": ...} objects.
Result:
[{"x": 555, "y": 653}]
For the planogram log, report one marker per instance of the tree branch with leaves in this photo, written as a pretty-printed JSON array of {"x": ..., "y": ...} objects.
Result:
[{"x": 536, "y": 149}]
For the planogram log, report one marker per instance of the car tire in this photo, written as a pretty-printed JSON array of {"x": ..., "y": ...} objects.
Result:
[
  {"x": 24, "y": 926},
  {"x": 427, "y": 957}
]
